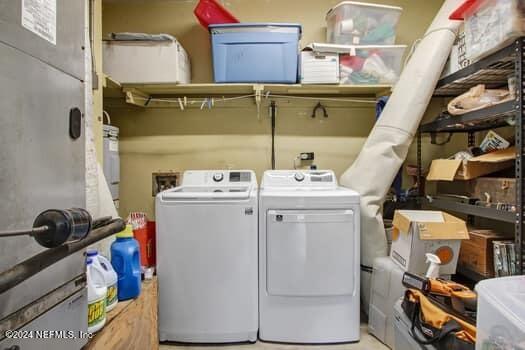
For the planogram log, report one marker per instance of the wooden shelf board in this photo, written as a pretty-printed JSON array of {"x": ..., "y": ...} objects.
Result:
[
  {"x": 178, "y": 90},
  {"x": 112, "y": 88}
]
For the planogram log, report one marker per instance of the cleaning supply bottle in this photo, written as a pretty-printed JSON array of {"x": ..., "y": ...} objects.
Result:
[
  {"x": 97, "y": 291},
  {"x": 125, "y": 258},
  {"x": 433, "y": 268},
  {"x": 110, "y": 276}
]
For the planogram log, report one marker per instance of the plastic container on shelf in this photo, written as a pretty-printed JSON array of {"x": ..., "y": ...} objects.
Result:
[
  {"x": 501, "y": 313},
  {"x": 491, "y": 24},
  {"x": 97, "y": 292},
  {"x": 125, "y": 258},
  {"x": 372, "y": 64},
  {"x": 145, "y": 235},
  {"x": 387, "y": 287},
  {"x": 211, "y": 12},
  {"x": 353, "y": 23},
  {"x": 367, "y": 64},
  {"x": 105, "y": 268},
  {"x": 255, "y": 52}
]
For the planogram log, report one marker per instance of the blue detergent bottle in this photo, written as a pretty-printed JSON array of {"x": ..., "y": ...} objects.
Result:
[{"x": 125, "y": 258}]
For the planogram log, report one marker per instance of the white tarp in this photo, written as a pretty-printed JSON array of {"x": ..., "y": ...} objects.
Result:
[{"x": 387, "y": 146}]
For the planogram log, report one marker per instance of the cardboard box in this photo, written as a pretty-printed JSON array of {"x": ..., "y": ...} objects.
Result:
[
  {"x": 319, "y": 68},
  {"x": 455, "y": 169},
  {"x": 500, "y": 189},
  {"x": 477, "y": 252},
  {"x": 417, "y": 232},
  {"x": 146, "y": 62}
]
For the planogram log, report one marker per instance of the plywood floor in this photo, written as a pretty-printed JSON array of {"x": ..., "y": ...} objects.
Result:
[{"x": 367, "y": 342}]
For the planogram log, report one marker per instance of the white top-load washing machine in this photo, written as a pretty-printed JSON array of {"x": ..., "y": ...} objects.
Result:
[
  {"x": 308, "y": 258},
  {"x": 207, "y": 258}
]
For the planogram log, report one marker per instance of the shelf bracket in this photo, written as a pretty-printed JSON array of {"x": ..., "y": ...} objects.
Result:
[
  {"x": 137, "y": 98},
  {"x": 258, "y": 90}
]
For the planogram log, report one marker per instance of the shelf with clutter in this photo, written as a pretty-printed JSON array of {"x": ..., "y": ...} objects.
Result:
[
  {"x": 485, "y": 180},
  {"x": 261, "y": 60}
]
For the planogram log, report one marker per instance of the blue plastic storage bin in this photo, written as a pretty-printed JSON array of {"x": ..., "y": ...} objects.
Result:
[{"x": 255, "y": 52}]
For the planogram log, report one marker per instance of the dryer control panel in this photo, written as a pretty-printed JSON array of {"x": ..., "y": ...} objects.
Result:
[
  {"x": 299, "y": 178},
  {"x": 218, "y": 178}
]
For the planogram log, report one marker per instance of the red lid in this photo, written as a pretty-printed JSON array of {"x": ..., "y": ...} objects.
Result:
[
  {"x": 211, "y": 12},
  {"x": 459, "y": 13}
]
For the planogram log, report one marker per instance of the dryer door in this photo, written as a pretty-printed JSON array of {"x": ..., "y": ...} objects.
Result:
[{"x": 310, "y": 252}]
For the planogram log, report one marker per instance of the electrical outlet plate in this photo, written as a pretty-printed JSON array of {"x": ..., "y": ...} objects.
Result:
[
  {"x": 162, "y": 181},
  {"x": 306, "y": 156}
]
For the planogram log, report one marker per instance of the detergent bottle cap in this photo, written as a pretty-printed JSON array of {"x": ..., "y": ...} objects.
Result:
[
  {"x": 433, "y": 268},
  {"x": 91, "y": 252},
  {"x": 126, "y": 233}
]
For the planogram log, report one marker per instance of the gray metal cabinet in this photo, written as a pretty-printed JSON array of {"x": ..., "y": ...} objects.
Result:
[
  {"x": 67, "y": 54},
  {"x": 41, "y": 166},
  {"x": 54, "y": 320}
]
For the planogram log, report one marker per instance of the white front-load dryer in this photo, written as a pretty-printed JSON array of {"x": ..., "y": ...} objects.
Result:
[
  {"x": 207, "y": 258},
  {"x": 308, "y": 258}
]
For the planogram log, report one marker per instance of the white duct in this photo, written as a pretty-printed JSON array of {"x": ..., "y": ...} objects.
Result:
[
  {"x": 386, "y": 148},
  {"x": 98, "y": 197}
]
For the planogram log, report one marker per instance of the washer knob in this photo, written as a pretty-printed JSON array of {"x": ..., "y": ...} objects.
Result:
[
  {"x": 299, "y": 177},
  {"x": 217, "y": 177}
]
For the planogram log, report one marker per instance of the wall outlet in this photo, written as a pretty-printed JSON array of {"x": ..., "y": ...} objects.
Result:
[
  {"x": 162, "y": 181},
  {"x": 306, "y": 156}
]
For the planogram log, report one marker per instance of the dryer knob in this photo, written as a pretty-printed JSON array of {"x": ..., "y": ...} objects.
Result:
[
  {"x": 217, "y": 177},
  {"x": 299, "y": 177}
]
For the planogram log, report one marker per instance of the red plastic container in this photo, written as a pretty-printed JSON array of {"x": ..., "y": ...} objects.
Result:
[
  {"x": 459, "y": 13},
  {"x": 211, "y": 12},
  {"x": 146, "y": 238}
]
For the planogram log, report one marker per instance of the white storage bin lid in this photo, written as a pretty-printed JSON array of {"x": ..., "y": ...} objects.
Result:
[
  {"x": 506, "y": 294},
  {"x": 364, "y": 4},
  {"x": 350, "y": 49}
]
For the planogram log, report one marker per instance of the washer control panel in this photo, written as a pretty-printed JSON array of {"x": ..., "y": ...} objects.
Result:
[{"x": 299, "y": 178}]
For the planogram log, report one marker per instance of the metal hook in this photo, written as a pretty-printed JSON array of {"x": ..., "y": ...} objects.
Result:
[{"x": 321, "y": 107}]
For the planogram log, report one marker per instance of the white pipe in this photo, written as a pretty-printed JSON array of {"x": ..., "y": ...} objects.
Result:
[{"x": 386, "y": 148}]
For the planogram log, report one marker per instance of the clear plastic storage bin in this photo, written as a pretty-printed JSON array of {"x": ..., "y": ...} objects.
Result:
[
  {"x": 490, "y": 24},
  {"x": 366, "y": 64},
  {"x": 370, "y": 65},
  {"x": 353, "y": 23},
  {"x": 501, "y": 313}
]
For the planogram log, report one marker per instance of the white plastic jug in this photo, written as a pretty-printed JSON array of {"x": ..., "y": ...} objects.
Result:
[
  {"x": 110, "y": 277},
  {"x": 97, "y": 292}
]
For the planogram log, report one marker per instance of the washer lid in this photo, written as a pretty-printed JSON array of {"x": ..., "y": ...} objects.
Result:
[{"x": 207, "y": 193}]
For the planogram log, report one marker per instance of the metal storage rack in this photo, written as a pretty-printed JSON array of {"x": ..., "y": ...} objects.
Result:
[{"x": 493, "y": 71}]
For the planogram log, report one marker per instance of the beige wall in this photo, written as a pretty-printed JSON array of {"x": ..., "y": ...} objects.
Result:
[{"x": 233, "y": 136}]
